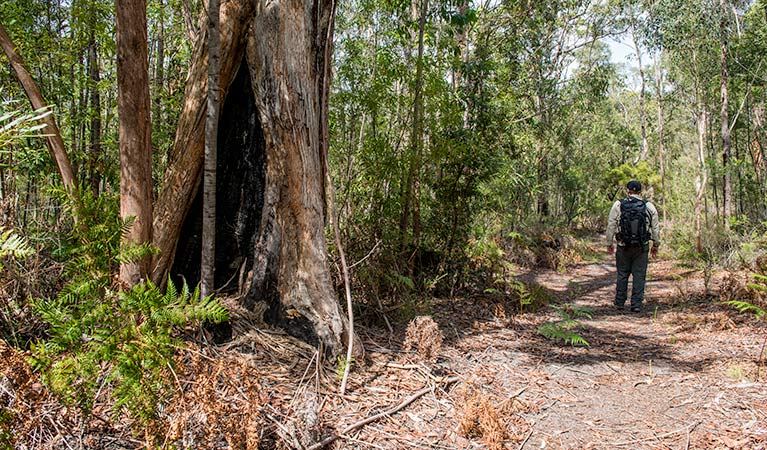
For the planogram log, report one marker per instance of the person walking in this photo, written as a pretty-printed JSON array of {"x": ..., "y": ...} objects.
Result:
[{"x": 632, "y": 223}]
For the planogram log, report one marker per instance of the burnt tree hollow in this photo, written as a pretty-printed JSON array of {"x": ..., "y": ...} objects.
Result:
[{"x": 241, "y": 174}]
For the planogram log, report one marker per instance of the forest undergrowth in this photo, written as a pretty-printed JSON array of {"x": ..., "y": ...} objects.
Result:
[{"x": 540, "y": 360}]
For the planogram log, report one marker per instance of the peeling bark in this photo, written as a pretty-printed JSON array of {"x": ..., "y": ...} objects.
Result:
[{"x": 290, "y": 76}]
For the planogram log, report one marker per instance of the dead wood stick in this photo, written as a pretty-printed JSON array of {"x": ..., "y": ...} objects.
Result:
[
  {"x": 288, "y": 436},
  {"x": 688, "y": 428},
  {"x": 330, "y": 439},
  {"x": 522, "y": 445},
  {"x": 420, "y": 368},
  {"x": 344, "y": 272},
  {"x": 513, "y": 396}
]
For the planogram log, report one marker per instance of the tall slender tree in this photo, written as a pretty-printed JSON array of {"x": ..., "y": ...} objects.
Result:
[
  {"x": 207, "y": 271},
  {"x": 54, "y": 139},
  {"x": 725, "y": 117},
  {"x": 134, "y": 131}
]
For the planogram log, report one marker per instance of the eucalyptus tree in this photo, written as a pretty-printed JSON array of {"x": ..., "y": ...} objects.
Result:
[
  {"x": 270, "y": 222},
  {"x": 135, "y": 132},
  {"x": 54, "y": 139},
  {"x": 748, "y": 73},
  {"x": 724, "y": 16},
  {"x": 687, "y": 32}
]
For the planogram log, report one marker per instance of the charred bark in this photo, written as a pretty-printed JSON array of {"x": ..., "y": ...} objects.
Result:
[
  {"x": 272, "y": 135},
  {"x": 182, "y": 179},
  {"x": 241, "y": 166},
  {"x": 291, "y": 77}
]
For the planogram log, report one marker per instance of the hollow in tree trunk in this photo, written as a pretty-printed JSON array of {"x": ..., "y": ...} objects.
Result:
[{"x": 272, "y": 142}]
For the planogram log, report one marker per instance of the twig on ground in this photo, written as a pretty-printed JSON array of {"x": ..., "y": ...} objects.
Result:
[
  {"x": 419, "y": 367},
  {"x": 286, "y": 435},
  {"x": 512, "y": 397},
  {"x": 522, "y": 445},
  {"x": 378, "y": 242},
  {"x": 687, "y": 428},
  {"x": 330, "y": 439},
  {"x": 383, "y": 314}
]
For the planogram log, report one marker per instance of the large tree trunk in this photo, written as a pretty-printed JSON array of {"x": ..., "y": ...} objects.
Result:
[
  {"x": 272, "y": 145},
  {"x": 134, "y": 131},
  {"x": 290, "y": 72}
]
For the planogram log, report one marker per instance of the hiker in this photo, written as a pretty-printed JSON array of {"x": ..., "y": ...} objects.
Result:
[{"x": 633, "y": 223}]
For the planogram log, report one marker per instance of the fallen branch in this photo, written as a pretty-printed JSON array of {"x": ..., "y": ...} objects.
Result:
[
  {"x": 522, "y": 445},
  {"x": 330, "y": 439},
  {"x": 688, "y": 428}
]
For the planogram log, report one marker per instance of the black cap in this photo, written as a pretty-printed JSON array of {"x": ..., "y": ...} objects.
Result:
[{"x": 634, "y": 186}]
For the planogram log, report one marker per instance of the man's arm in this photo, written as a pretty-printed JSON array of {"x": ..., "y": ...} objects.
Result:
[
  {"x": 654, "y": 228},
  {"x": 612, "y": 225}
]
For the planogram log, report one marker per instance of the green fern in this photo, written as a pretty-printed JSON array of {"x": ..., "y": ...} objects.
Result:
[
  {"x": 570, "y": 311},
  {"x": 746, "y": 307},
  {"x": 760, "y": 285},
  {"x": 13, "y": 245},
  {"x": 558, "y": 331},
  {"x": 96, "y": 333},
  {"x": 16, "y": 125},
  {"x": 524, "y": 294},
  {"x": 563, "y": 329}
]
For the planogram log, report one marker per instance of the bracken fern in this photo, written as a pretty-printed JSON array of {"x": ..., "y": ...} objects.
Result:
[
  {"x": 563, "y": 329},
  {"x": 101, "y": 336}
]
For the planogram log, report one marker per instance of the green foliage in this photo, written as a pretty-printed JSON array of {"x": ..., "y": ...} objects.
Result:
[
  {"x": 760, "y": 285},
  {"x": 99, "y": 335},
  {"x": 619, "y": 176},
  {"x": 6, "y": 437},
  {"x": 16, "y": 125},
  {"x": 564, "y": 329},
  {"x": 341, "y": 367},
  {"x": 531, "y": 296},
  {"x": 745, "y": 307},
  {"x": 11, "y": 244}
]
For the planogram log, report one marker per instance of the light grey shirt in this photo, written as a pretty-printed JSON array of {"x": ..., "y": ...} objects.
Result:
[{"x": 614, "y": 218}]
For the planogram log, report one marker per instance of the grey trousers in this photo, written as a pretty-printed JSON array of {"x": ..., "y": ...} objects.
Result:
[{"x": 631, "y": 261}]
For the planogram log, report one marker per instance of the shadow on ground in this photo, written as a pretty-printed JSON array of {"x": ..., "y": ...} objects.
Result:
[{"x": 613, "y": 335}]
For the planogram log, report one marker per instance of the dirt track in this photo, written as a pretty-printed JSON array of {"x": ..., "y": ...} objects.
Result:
[{"x": 679, "y": 375}]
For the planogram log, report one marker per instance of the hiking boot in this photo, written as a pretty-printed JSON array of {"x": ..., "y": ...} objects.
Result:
[
  {"x": 619, "y": 307},
  {"x": 636, "y": 309}
]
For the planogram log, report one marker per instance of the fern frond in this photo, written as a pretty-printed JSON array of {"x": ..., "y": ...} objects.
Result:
[
  {"x": 558, "y": 332},
  {"x": 11, "y": 244},
  {"x": 745, "y": 307},
  {"x": 582, "y": 311},
  {"x": 171, "y": 293}
]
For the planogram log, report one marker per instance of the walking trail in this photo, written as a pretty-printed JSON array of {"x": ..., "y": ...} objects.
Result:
[{"x": 680, "y": 375}]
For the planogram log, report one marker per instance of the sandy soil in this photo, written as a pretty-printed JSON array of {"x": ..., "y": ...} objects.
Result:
[{"x": 682, "y": 374}]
